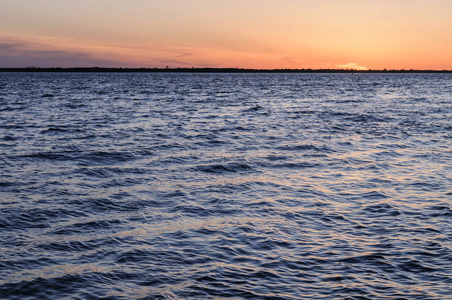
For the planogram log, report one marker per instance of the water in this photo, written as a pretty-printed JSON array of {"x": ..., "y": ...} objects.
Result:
[{"x": 225, "y": 186}]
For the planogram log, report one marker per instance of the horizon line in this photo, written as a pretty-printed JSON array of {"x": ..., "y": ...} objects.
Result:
[{"x": 214, "y": 70}]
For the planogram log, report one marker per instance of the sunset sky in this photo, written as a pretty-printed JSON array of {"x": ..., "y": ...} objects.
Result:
[{"x": 372, "y": 34}]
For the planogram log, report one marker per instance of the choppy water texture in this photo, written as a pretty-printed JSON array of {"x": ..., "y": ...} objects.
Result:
[{"x": 225, "y": 186}]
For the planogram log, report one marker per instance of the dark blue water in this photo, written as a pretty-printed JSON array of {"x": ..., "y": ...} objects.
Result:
[{"x": 225, "y": 186}]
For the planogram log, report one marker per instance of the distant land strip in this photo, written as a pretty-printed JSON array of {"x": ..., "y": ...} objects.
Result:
[{"x": 208, "y": 70}]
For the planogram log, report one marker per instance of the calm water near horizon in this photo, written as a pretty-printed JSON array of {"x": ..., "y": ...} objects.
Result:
[{"x": 225, "y": 186}]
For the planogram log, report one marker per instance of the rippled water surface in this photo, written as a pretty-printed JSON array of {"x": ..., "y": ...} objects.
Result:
[{"x": 225, "y": 186}]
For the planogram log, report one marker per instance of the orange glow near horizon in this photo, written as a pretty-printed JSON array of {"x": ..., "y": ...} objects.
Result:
[{"x": 355, "y": 34}]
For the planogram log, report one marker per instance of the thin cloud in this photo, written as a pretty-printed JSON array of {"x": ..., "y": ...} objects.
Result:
[
  {"x": 175, "y": 62},
  {"x": 65, "y": 52},
  {"x": 22, "y": 53}
]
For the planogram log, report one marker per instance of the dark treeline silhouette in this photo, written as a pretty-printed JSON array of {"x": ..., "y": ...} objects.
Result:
[{"x": 209, "y": 70}]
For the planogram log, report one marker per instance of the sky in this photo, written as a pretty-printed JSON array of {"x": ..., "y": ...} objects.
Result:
[{"x": 263, "y": 34}]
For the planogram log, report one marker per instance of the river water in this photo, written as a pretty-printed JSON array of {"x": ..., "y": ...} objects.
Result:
[{"x": 225, "y": 186}]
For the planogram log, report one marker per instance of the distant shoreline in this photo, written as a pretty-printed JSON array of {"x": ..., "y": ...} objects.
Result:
[{"x": 206, "y": 70}]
